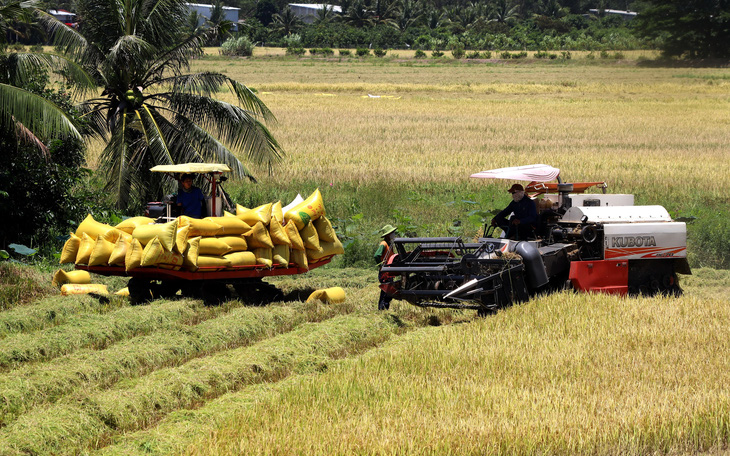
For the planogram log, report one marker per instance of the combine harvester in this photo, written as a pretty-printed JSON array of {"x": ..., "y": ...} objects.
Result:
[{"x": 588, "y": 242}]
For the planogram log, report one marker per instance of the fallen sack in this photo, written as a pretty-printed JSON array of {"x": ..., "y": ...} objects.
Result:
[
  {"x": 123, "y": 292},
  {"x": 62, "y": 277},
  {"x": 332, "y": 295},
  {"x": 77, "y": 288}
]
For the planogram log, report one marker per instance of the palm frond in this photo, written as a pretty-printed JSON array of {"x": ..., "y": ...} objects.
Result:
[
  {"x": 154, "y": 136},
  {"x": 237, "y": 127},
  {"x": 22, "y": 65},
  {"x": 41, "y": 116}
]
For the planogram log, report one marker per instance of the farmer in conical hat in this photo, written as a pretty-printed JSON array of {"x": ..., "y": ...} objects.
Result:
[{"x": 381, "y": 256}]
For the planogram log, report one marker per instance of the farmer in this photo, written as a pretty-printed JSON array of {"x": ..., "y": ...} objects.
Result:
[
  {"x": 190, "y": 199},
  {"x": 381, "y": 257},
  {"x": 524, "y": 218}
]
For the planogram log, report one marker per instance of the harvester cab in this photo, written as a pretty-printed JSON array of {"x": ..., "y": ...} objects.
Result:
[
  {"x": 215, "y": 201},
  {"x": 595, "y": 242}
]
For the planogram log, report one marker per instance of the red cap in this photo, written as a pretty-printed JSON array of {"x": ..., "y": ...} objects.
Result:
[{"x": 516, "y": 188}]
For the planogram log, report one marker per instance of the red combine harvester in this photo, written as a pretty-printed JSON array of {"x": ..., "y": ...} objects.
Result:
[{"x": 590, "y": 242}]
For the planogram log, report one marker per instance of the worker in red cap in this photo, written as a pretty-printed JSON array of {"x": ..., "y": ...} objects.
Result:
[{"x": 524, "y": 215}]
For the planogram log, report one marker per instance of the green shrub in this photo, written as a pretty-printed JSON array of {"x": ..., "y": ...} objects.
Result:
[
  {"x": 437, "y": 54},
  {"x": 541, "y": 54},
  {"x": 487, "y": 54},
  {"x": 20, "y": 284},
  {"x": 379, "y": 52},
  {"x": 16, "y": 47},
  {"x": 419, "y": 54},
  {"x": 458, "y": 51},
  {"x": 327, "y": 52},
  {"x": 473, "y": 55},
  {"x": 566, "y": 55},
  {"x": 604, "y": 54},
  {"x": 520, "y": 55},
  {"x": 295, "y": 51},
  {"x": 505, "y": 55},
  {"x": 313, "y": 51},
  {"x": 345, "y": 52},
  {"x": 362, "y": 52},
  {"x": 36, "y": 48},
  {"x": 239, "y": 47}
]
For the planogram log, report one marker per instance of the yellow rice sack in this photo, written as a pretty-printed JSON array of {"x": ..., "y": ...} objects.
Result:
[
  {"x": 165, "y": 232},
  {"x": 237, "y": 243},
  {"x": 212, "y": 263},
  {"x": 190, "y": 257},
  {"x": 230, "y": 225},
  {"x": 92, "y": 227},
  {"x": 76, "y": 288},
  {"x": 258, "y": 214},
  {"x": 258, "y": 237},
  {"x": 181, "y": 238},
  {"x": 281, "y": 255},
  {"x": 332, "y": 295},
  {"x": 114, "y": 234},
  {"x": 85, "y": 248},
  {"x": 295, "y": 202},
  {"x": 70, "y": 249},
  {"x": 277, "y": 212},
  {"x": 213, "y": 246},
  {"x": 199, "y": 227},
  {"x": 325, "y": 232},
  {"x": 228, "y": 214},
  {"x": 299, "y": 258},
  {"x": 62, "y": 277},
  {"x": 101, "y": 253},
  {"x": 264, "y": 256},
  {"x": 240, "y": 259},
  {"x": 326, "y": 249},
  {"x": 309, "y": 237},
  {"x": 128, "y": 225},
  {"x": 119, "y": 252},
  {"x": 293, "y": 234},
  {"x": 278, "y": 233},
  {"x": 123, "y": 292},
  {"x": 133, "y": 258},
  {"x": 155, "y": 254},
  {"x": 308, "y": 210}
]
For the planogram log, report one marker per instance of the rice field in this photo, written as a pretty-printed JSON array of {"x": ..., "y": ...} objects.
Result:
[{"x": 562, "y": 374}]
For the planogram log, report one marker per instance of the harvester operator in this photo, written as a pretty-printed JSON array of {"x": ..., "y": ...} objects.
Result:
[
  {"x": 381, "y": 256},
  {"x": 524, "y": 219},
  {"x": 190, "y": 199}
]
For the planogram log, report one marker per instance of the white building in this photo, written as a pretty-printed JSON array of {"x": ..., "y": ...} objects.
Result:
[
  {"x": 229, "y": 13},
  {"x": 307, "y": 12},
  {"x": 626, "y": 15}
]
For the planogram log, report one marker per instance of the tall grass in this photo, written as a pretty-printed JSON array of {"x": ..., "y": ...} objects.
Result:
[
  {"x": 96, "y": 415},
  {"x": 28, "y": 387},
  {"x": 565, "y": 374},
  {"x": 20, "y": 284}
]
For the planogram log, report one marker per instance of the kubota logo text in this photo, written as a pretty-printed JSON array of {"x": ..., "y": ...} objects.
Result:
[{"x": 633, "y": 241}]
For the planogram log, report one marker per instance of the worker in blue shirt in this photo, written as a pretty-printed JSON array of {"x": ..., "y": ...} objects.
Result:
[
  {"x": 190, "y": 199},
  {"x": 524, "y": 220}
]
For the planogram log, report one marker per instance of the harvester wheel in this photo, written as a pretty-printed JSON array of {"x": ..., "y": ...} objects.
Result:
[{"x": 140, "y": 291}]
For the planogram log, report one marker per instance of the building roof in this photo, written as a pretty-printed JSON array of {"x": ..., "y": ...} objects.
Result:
[
  {"x": 205, "y": 5},
  {"x": 317, "y": 6}
]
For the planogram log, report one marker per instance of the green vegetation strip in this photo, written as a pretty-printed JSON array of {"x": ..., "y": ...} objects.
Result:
[
  {"x": 30, "y": 386},
  {"x": 49, "y": 312},
  {"x": 92, "y": 418},
  {"x": 96, "y": 331}
]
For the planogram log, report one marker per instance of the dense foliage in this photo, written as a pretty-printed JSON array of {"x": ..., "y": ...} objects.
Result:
[{"x": 150, "y": 111}]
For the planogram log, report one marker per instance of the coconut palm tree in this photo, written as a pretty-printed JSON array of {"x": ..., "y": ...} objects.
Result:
[
  {"x": 149, "y": 111},
  {"x": 287, "y": 22},
  {"x": 28, "y": 117}
]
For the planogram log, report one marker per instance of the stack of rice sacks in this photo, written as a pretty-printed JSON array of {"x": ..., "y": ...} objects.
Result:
[{"x": 267, "y": 236}]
